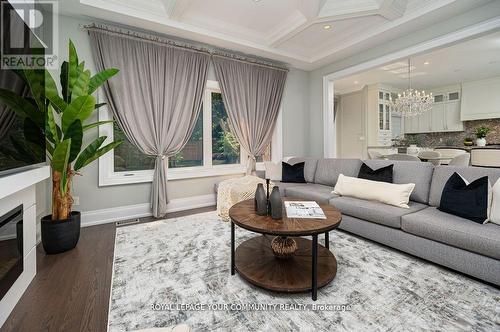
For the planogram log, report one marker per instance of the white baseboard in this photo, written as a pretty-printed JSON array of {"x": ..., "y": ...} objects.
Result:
[{"x": 103, "y": 216}]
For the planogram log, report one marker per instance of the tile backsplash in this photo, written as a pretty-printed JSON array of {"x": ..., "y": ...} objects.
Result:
[{"x": 457, "y": 138}]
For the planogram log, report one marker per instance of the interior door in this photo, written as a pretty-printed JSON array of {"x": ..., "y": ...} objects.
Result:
[{"x": 352, "y": 125}]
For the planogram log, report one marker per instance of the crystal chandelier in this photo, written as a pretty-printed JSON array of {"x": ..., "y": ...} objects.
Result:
[{"x": 412, "y": 102}]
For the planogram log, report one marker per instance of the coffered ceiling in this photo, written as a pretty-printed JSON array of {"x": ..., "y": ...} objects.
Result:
[{"x": 303, "y": 33}]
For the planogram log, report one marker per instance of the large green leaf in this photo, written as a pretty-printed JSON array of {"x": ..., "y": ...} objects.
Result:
[
  {"x": 81, "y": 85},
  {"x": 49, "y": 147},
  {"x": 21, "y": 106},
  {"x": 75, "y": 133},
  {"x": 64, "y": 76},
  {"x": 96, "y": 124},
  {"x": 61, "y": 155},
  {"x": 98, "y": 79},
  {"x": 36, "y": 82},
  {"x": 72, "y": 66},
  {"x": 52, "y": 94},
  {"x": 81, "y": 108},
  {"x": 52, "y": 125},
  {"x": 93, "y": 151},
  {"x": 88, "y": 152},
  {"x": 101, "y": 152}
]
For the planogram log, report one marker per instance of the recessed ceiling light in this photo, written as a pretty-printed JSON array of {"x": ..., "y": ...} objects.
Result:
[
  {"x": 327, "y": 27},
  {"x": 356, "y": 82},
  {"x": 426, "y": 63}
]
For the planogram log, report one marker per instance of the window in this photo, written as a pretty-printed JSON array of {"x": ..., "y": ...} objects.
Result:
[
  {"x": 192, "y": 153},
  {"x": 212, "y": 149},
  {"x": 225, "y": 147}
]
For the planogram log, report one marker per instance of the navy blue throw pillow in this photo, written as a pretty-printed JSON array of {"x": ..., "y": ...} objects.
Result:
[
  {"x": 469, "y": 201},
  {"x": 293, "y": 173},
  {"x": 383, "y": 174}
]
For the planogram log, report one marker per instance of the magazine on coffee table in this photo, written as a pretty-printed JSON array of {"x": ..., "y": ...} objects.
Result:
[{"x": 304, "y": 210}]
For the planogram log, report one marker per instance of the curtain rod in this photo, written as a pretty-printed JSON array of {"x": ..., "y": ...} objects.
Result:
[{"x": 186, "y": 45}]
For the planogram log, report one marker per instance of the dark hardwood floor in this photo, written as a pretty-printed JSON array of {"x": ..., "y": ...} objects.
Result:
[{"x": 71, "y": 291}]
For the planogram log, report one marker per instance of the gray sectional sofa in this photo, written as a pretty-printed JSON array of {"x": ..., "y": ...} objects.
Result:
[{"x": 422, "y": 230}]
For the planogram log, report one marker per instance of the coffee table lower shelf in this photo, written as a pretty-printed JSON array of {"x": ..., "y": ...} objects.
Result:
[{"x": 256, "y": 263}]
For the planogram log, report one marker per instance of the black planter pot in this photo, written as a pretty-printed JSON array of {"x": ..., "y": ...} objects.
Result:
[{"x": 60, "y": 235}]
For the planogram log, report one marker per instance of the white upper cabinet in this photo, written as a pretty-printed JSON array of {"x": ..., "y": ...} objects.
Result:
[
  {"x": 481, "y": 99},
  {"x": 444, "y": 115}
]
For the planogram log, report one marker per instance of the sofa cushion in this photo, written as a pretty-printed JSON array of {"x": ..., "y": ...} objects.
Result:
[
  {"x": 309, "y": 167},
  {"x": 316, "y": 192},
  {"x": 328, "y": 170},
  {"x": 439, "y": 226},
  {"x": 443, "y": 173},
  {"x": 376, "y": 212},
  {"x": 284, "y": 185},
  {"x": 409, "y": 172}
]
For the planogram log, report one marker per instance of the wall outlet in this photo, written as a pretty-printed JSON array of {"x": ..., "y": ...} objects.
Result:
[{"x": 76, "y": 200}]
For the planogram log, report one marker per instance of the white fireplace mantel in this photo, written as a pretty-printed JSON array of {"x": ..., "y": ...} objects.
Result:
[{"x": 17, "y": 189}]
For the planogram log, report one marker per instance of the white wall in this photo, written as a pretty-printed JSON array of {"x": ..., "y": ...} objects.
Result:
[
  {"x": 92, "y": 197},
  {"x": 316, "y": 77}
]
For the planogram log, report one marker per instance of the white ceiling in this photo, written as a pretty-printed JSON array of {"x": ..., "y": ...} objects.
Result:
[
  {"x": 291, "y": 31},
  {"x": 467, "y": 61}
]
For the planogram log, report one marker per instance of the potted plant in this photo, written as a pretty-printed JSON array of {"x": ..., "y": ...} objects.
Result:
[
  {"x": 468, "y": 141},
  {"x": 66, "y": 120},
  {"x": 481, "y": 133}
]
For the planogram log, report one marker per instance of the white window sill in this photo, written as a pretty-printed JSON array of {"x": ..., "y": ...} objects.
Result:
[{"x": 120, "y": 178}]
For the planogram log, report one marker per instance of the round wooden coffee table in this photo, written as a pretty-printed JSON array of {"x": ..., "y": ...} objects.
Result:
[{"x": 310, "y": 267}]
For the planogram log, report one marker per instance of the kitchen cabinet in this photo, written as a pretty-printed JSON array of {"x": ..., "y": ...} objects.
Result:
[
  {"x": 379, "y": 114},
  {"x": 480, "y": 99},
  {"x": 443, "y": 117}
]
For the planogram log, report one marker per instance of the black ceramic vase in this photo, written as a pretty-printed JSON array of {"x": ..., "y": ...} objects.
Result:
[
  {"x": 260, "y": 200},
  {"x": 276, "y": 204}
]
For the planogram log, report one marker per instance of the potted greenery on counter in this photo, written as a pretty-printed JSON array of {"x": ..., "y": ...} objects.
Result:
[
  {"x": 66, "y": 120},
  {"x": 481, "y": 133}
]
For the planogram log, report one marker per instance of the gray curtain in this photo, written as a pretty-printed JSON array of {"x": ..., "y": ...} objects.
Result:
[
  {"x": 252, "y": 96},
  {"x": 155, "y": 98}
]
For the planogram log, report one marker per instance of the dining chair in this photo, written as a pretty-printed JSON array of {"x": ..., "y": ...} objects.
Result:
[
  {"x": 451, "y": 152},
  {"x": 460, "y": 160},
  {"x": 485, "y": 157},
  {"x": 430, "y": 156},
  {"x": 403, "y": 157}
]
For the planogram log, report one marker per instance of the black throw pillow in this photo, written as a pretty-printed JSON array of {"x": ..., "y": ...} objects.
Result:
[
  {"x": 293, "y": 173},
  {"x": 383, "y": 174},
  {"x": 466, "y": 201}
]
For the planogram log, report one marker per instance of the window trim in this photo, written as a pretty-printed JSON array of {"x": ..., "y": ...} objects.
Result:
[{"x": 108, "y": 177}]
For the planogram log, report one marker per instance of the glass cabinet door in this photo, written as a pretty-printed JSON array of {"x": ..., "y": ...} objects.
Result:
[
  {"x": 381, "y": 116},
  {"x": 387, "y": 120}
]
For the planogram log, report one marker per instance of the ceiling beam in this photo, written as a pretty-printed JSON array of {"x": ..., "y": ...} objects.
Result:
[
  {"x": 307, "y": 11},
  {"x": 392, "y": 9},
  {"x": 176, "y": 8}
]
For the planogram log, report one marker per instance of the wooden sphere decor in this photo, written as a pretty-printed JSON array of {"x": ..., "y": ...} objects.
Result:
[{"x": 283, "y": 246}]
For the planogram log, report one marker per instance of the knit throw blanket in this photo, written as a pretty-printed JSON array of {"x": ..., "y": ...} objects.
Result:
[{"x": 232, "y": 191}]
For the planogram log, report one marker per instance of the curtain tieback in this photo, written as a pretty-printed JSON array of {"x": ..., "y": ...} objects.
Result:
[{"x": 161, "y": 156}]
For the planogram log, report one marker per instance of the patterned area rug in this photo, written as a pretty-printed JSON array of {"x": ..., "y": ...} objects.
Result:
[{"x": 177, "y": 271}]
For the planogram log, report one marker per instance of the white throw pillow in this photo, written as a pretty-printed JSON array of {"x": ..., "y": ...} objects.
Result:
[
  {"x": 387, "y": 193},
  {"x": 495, "y": 204},
  {"x": 273, "y": 170}
]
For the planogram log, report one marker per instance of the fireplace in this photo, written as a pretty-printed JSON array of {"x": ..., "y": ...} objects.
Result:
[{"x": 11, "y": 248}]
